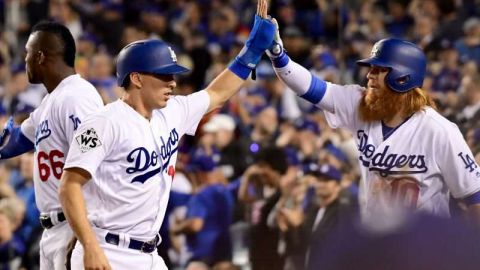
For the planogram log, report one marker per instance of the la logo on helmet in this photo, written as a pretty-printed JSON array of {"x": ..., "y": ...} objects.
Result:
[
  {"x": 172, "y": 54},
  {"x": 376, "y": 49}
]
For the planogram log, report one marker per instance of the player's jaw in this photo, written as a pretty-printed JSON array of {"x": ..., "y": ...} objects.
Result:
[
  {"x": 161, "y": 89},
  {"x": 379, "y": 104}
]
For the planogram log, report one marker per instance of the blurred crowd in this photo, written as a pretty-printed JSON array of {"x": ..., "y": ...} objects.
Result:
[{"x": 265, "y": 179}]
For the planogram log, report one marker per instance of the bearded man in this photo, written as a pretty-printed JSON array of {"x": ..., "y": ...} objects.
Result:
[{"x": 412, "y": 159}]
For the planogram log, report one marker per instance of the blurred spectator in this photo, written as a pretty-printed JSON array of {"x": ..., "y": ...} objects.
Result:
[
  {"x": 209, "y": 215},
  {"x": 296, "y": 43},
  {"x": 156, "y": 22},
  {"x": 12, "y": 101},
  {"x": 447, "y": 78},
  {"x": 133, "y": 33},
  {"x": 61, "y": 12},
  {"x": 325, "y": 64},
  {"x": 399, "y": 21},
  {"x": 233, "y": 151},
  {"x": 424, "y": 33},
  {"x": 306, "y": 226},
  {"x": 86, "y": 45},
  {"x": 106, "y": 18},
  {"x": 468, "y": 47},
  {"x": 260, "y": 190},
  {"x": 11, "y": 248},
  {"x": 275, "y": 92},
  {"x": 470, "y": 115},
  {"x": 101, "y": 76},
  {"x": 265, "y": 128},
  {"x": 220, "y": 35}
]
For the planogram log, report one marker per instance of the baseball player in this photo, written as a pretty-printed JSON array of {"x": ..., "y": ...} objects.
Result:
[
  {"x": 129, "y": 151},
  {"x": 410, "y": 156},
  {"x": 50, "y": 54}
]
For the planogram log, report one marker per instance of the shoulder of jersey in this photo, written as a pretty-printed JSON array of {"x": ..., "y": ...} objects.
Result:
[
  {"x": 81, "y": 88},
  {"x": 108, "y": 112},
  {"x": 436, "y": 122},
  {"x": 348, "y": 87}
]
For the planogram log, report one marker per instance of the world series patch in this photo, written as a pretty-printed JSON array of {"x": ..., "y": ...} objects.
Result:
[{"x": 88, "y": 140}]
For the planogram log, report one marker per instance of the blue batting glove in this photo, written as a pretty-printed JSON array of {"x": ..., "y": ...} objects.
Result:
[
  {"x": 258, "y": 41},
  {"x": 7, "y": 129}
]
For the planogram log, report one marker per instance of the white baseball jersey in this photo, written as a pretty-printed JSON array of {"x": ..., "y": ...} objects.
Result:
[
  {"x": 422, "y": 162},
  {"x": 51, "y": 127},
  {"x": 132, "y": 162}
]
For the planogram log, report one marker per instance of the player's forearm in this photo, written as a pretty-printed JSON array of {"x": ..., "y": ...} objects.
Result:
[
  {"x": 17, "y": 144},
  {"x": 223, "y": 88},
  {"x": 73, "y": 204},
  {"x": 299, "y": 79}
]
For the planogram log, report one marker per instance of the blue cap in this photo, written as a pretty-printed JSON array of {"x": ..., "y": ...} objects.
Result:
[
  {"x": 87, "y": 36},
  {"x": 327, "y": 59},
  {"x": 202, "y": 162},
  {"x": 307, "y": 124},
  {"x": 265, "y": 71},
  {"x": 292, "y": 156},
  {"x": 336, "y": 152},
  {"x": 325, "y": 171}
]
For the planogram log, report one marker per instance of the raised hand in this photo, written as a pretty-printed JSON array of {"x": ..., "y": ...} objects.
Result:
[
  {"x": 260, "y": 38},
  {"x": 276, "y": 48},
  {"x": 262, "y": 8}
]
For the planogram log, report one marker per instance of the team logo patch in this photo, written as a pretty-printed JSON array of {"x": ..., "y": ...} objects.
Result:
[
  {"x": 88, "y": 140},
  {"x": 376, "y": 49},
  {"x": 172, "y": 54}
]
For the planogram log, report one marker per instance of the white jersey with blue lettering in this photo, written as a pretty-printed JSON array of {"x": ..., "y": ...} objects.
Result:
[
  {"x": 132, "y": 162},
  {"x": 51, "y": 127},
  {"x": 422, "y": 163}
]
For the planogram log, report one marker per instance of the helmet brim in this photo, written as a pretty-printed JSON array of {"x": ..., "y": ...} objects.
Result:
[
  {"x": 368, "y": 62},
  {"x": 170, "y": 70}
]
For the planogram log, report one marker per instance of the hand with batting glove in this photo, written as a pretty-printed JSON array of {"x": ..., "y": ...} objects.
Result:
[
  {"x": 258, "y": 41},
  {"x": 276, "y": 50},
  {"x": 7, "y": 130}
]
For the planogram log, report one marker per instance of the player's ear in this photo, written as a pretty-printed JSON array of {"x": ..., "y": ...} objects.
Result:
[
  {"x": 135, "y": 79},
  {"x": 40, "y": 57}
]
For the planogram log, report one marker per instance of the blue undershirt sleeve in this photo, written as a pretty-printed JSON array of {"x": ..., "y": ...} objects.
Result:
[{"x": 16, "y": 145}]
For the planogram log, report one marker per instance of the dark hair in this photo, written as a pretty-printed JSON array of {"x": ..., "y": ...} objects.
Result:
[
  {"x": 273, "y": 157},
  {"x": 62, "y": 32}
]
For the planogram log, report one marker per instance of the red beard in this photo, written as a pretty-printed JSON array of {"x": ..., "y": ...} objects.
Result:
[{"x": 380, "y": 104}]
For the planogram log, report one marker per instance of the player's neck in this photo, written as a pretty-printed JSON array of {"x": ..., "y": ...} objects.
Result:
[
  {"x": 396, "y": 120},
  {"x": 51, "y": 82},
  {"x": 136, "y": 103}
]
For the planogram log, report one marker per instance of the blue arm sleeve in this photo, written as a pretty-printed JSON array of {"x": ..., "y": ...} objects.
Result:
[
  {"x": 316, "y": 91},
  {"x": 16, "y": 145}
]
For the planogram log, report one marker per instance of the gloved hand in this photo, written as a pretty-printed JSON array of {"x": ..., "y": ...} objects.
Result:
[
  {"x": 258, "y": 41},
  {"x": 7, "y": 130},
  {"x": 276, "y": 49}
]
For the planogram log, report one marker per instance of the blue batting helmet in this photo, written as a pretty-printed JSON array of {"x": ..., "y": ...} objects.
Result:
[
  {"x": 147, "y": 56},
  {"x": 406, "y": 61}
]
